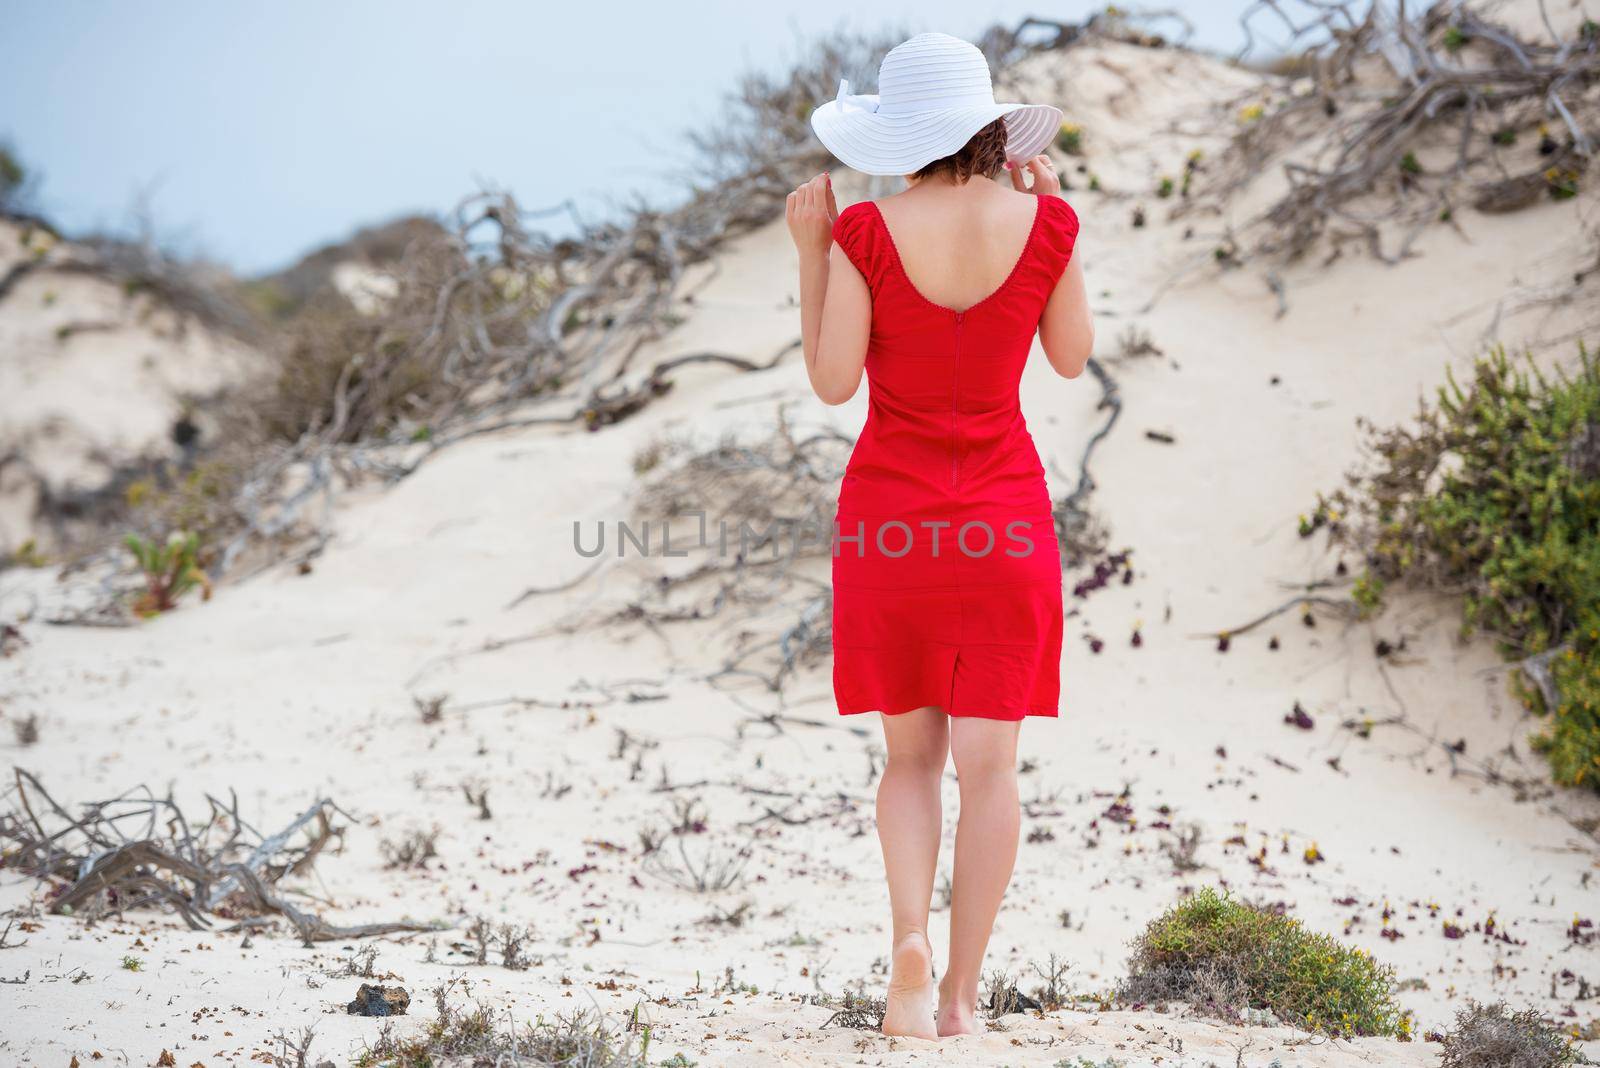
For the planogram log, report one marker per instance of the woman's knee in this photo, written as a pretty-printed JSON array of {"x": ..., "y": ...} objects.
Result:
[
  {"x": 918, "y": 743},
  {"x": 923, "y": 763},
  {"x": 984, "y": 751}
]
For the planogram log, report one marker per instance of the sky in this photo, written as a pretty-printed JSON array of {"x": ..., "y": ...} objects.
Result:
[{"x": 253, "y": 133}]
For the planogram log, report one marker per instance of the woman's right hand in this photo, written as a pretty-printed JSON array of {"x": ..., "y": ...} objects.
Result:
[
  {"x": 811, "y": 211},
  {"x": 1045, "y": 180}
]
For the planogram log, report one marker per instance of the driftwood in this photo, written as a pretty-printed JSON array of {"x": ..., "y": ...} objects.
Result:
[{"x": 220, "y": 868}]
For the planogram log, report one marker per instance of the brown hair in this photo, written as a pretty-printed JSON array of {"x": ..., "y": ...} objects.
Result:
[{"x": 984, "y": 154}]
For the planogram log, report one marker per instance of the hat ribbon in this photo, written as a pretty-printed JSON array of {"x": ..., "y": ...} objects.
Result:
[{"x": 853, "y": 102}]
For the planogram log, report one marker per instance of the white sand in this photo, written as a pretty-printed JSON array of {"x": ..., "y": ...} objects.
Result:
[
  {"x": 90, "y": 377},
  {"x": 291, "y": 686}
]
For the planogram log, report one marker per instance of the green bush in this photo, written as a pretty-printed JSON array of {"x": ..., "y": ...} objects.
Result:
[
  {"x": 1494, "y": 493},
  {"x": 1210, "y": 942}
]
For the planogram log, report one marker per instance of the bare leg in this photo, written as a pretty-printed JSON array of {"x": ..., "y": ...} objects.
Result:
[
  {"x": 985, "y": 754},
  {"x": 909, "y": 825}
]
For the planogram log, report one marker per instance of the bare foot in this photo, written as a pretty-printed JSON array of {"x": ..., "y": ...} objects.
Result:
[
  {"x": 956, "y": 1018},
  {"x": 954, "y": 1021},
  {"x": 910, "y": 1002}
]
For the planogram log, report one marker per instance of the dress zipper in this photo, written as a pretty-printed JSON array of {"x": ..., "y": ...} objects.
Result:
[{"x": 955, "y": 396}]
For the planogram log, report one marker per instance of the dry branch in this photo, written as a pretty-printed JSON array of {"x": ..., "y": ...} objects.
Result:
[
  {"x": 139, "y": 850},
  {"x": 1392, "y": 115}
]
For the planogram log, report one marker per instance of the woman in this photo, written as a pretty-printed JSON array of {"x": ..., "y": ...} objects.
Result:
[{"x": 946, "y": 571}]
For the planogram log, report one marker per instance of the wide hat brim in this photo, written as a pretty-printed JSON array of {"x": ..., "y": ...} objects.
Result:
[{"x": 874, "y": 143}]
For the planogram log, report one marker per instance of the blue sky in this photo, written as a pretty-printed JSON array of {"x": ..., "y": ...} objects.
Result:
[{"x": 253, "y": 132}]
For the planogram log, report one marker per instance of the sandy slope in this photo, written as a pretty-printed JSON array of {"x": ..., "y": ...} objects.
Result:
[
  {"x": 91, "y": 376},
  {"x": 290, "y": 686}
]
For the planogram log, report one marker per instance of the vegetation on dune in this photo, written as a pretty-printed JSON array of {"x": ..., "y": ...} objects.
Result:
[
  {"x": 171, "y": 569},
  {"x": 1494, "y": 494},
  {"x": 1384, "y": 126},
  {"x": 14, "y": 179},
  {"x": 1223, "y": 956},
  {"x": 1492, "y": 1036},
  {"x": 481, "y": 1036}
]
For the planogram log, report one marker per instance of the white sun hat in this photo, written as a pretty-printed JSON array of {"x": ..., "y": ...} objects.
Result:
[{"x": 934, "y": 93}]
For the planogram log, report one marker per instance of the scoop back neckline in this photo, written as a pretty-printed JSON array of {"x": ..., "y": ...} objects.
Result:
[{"x": 1027, "y": 244}]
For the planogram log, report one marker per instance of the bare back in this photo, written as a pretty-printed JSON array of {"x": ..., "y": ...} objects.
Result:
[{"x": 958, "y": 244}]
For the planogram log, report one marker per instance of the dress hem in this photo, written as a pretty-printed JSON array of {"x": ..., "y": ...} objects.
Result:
[{"x": 1030, "y": 712}]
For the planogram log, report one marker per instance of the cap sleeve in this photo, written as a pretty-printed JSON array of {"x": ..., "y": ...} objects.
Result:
[
  {"x": 856, "y": 233},
  {"x": 1058, "y": 234}
]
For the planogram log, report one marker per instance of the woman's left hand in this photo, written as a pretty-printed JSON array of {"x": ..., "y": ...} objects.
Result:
[
  {"x": 1045, "y": 180},
  {"x": 810, "y": 211}
]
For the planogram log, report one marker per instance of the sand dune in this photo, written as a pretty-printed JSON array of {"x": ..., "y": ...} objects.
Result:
[{"x": 290, "y": 686}]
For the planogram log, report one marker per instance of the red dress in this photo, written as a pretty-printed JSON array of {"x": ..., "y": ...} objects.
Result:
[{"x": 946, "y": 568}]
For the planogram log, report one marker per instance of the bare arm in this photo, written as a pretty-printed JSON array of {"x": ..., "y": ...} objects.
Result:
[
  {"x": 835, "y": 304},
  {"x": 1066, "y": 330}
]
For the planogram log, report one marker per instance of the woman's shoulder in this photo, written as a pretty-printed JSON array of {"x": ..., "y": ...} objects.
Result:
[
  {"x": 1055, "y": 236},
  {"x": 1060, "y": 213},
  {"x": 855, "y": 223},
  {"x": 858, "y": 212},
  {"x": 855, "y": 231}
]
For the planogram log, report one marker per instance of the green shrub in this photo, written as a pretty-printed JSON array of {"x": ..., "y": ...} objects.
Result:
[
  {"x": 1210, "y": 948},
  {"x": 1495, "y": 493}
]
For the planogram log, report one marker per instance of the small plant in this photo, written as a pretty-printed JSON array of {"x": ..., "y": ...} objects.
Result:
[
  {"x": 1070, "y": 139},
  {"x": 710, "y": 868},
  {"x": 362, "y": 963},
  {"x": 1222, "y": 955},
  {"x": 1191, "y": 166},
  {"x": 1367, "y": 593},
  {"x": 26, "y": 729},
  {"x": 1135, "y": 341},
  {"x": 412, "y": 850},
  {"x": 1455, "y": 38},
  {"x": 1005, "y": 997},
  {"x": 513, "y": 947},
  {"x": 293, "y": 1051},
  {"x": 28, "y": 555},
  {"x": 1182, "y": 846},
  {"x": 1252, "y": 113},
  {"x": 430, "y": 709},
  {"x": 132, "y": 964},
  {"x": 1562, "y": 182},
  {"x": 171, "y": 569},
  {"x": 1491, "y": 1036},
  {"x": 14, "y": 179},
  {"x": 1052, "y": 993},
  {"x": 858, "y": 1012},
  {"x": 1165, "y": 187},
  {"x": 1410, "y": 165}
]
